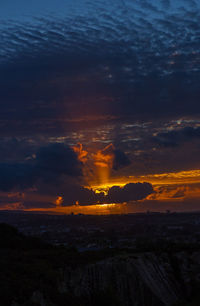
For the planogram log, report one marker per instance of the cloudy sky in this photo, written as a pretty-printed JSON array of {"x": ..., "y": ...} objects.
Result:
[{"x": 99, "y": 105}]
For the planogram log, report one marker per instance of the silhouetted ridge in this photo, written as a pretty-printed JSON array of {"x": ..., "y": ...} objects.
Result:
[{"x": 11, "y": 238}]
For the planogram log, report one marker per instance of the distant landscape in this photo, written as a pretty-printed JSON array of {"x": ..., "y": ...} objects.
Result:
[{"x": 150, "y": 259}]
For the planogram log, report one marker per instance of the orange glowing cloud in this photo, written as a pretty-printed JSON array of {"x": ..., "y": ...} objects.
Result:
[
  {"x": 97, "y": 164},
  {"x": 103, "y": 161},
  {"x": 82, "y": 154},
  {"x": 105, "y": 157},
  {"x": 59, "y": 201},
  {"x": 175, "y": 192}
]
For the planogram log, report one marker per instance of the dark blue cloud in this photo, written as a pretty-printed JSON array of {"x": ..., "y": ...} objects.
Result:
[
  {"x": 16, "y": 176},
  {"x": 58, "y": 159},
  {"x": 51, "y": 163},
  {"x": 175, "y": 138},
  {"x": 116, "y": 194},
  {"x": 130, "y": 192},
  {"x": 130, "y": 61},
  {"x": 120, "y": 159}
]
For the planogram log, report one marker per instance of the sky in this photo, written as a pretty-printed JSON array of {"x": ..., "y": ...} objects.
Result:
[{"x": 99, "y": 105}]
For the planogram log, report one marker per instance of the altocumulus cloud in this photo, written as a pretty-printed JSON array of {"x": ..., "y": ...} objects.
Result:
[
  {"x": 140, "y": 54},
  {"x": 177, "y": 137}
]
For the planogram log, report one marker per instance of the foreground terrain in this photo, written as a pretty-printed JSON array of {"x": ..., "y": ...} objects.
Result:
[{"x": 35, "y": 272}]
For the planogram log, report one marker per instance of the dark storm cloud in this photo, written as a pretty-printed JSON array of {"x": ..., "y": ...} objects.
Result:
[
  {"x": 83, "y": 196},
  {"x": 120, "y": 159},
  {"x": 58, "y": 159},
  {"x": 130, "y": 192},
  {"x": 14, "y": 149},
  {"x": 16, "y": 176},
  {"x": 116, "y": 194},
  {"x": 177, "y": 137},
  {"x": 114, "y": 64},
  {"x": 51, "y": 163}
]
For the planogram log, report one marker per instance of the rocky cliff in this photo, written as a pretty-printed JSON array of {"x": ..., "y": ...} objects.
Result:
[
  {"x": 143, "y": 279},
  {"x": 126, "y": 279}
]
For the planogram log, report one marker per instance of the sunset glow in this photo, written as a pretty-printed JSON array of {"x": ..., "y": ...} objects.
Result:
[
  {"x": 103, "y": 161},
  {"x": 103, "y": 209},
  {"x": 99, "y": 112}
]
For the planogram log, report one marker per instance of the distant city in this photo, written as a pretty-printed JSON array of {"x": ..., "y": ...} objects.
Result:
[{"x": 90, "y": 232}]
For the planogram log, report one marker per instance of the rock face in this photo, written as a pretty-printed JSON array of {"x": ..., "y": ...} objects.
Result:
[{"x": 143, "y": 280}]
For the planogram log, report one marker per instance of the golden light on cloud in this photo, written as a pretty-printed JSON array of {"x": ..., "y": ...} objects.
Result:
[
  {"x": 59, "y": 201},
  {"x": 190, "y": 176},
  {"x": 82, "y": 154},
  {"x": 173, "y": 186},
  {"x": 98, "y": 175},
  {"x": 105, "y": 187},
  {"x": 99, "y": 209},
  {"x": 103, "y": 161}
]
